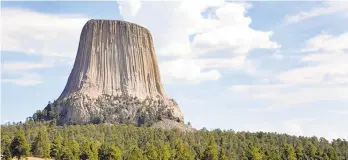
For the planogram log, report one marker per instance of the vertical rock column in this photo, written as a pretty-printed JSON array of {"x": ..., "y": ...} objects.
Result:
[{"x": 116, "y": 58}]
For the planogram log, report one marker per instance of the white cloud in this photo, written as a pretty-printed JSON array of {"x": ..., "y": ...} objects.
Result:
[
  {"x": 328, "y": 43},
  {"x": 292, "y": 128},
  {"x": 52, "y": 36},
  {"x": 15, "y": 66},
  {"x": 129, "y": 7},
  {"x": 288, "y": 95},
  {"x": 328, "y": 7},
  {"x": 327, "y": 62},
  {"x": 45, "y": 34},
  {"x": 23, "y": 72},
  {"x": 258, "y": 88},
  {"x": 25, "y": 79},
  {"x": 319, "y": 74},
  {"x": 232, "y": 32},
  {"x": 237, "y": 62},
  {"x": 277, "y": 55},
  {"x": 296, "y": 126},
  {"x": 324, "y": 76},
  {"x": 188, "y": 29},
  {"x": 343, "y": 112},
  {"x": 185, "y": 70}
]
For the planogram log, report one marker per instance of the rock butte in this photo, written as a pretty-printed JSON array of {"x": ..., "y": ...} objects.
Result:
[{"x": 115, "y": 77}]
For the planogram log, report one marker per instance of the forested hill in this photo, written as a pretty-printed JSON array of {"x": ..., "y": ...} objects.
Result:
[{"x": 106, "y": 141}]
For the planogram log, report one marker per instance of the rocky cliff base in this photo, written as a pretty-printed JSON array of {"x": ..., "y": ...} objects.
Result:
[
  {"x": 167, "y": 124},
  {"x": 81, "y": 109}
]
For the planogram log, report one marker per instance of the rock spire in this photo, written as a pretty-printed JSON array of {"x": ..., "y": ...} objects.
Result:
[{"x": 115, "y": 77}]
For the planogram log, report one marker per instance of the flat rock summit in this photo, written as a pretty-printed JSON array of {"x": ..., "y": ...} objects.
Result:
[{"x": 115, "y": 78}]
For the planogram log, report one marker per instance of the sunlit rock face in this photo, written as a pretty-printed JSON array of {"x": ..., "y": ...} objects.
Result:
[{"x": 115, "y": 78}]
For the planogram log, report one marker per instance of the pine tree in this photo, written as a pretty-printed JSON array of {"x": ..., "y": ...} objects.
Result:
[
  {"x": 144, "y": 143},
  {"x": 331, "y": 153},
  {"x": 75, "y": 148},
  {"x": 211, "y": 152},
  {"x": 66, "y": 154},
  {"x": 256, "y": 153},
  {"x": 299, "y": 152},
  {"x": 85, "y": 150},
  {"x": 41, "y": 145},
  {"x": 151, "y": 152},
  {"x": 135, "y": 153},
  {"x": 165, "y": 152},
  {"x": 222, "y": 154},
  {"x": 19, "y": 145},
  {"x": 5, "y": 147},
  {"x": 109, "y": 152},
  {"x": 182, "y": 152},
  {"x": 68, "y": 150},
  {"x": 89, "y": 150},
  {"x": 56, "y": 147},
  {"x": 311, "y": 150},
  {"x": 289, "y": 153}
]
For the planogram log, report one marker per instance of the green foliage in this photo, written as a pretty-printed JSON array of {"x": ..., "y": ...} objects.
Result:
[
  {"x": 182, "y": 152},
  {"x": 145, "y": 115},
  {"x": 211, "y": 152},
  {"x": 50, "y": 112},
  {"x": 74, "y": 142},
  {"x": 109, "y": 152},
  {"x": 299, "y": 152},
  {"x": 310, "y": 150},
  {"x": 134, "y": 153},
  {"x": 56, "y": 148},
  {"x": 5, "y": 147},
  {"x": 74, "y": 147},
  {"x": 41, "y": 145},
  {"x": 69, "y": 150},
  {"x": 19, "y": 146},
  {"x": 256, "y": 153},
  {"x": 331, "y": 153},
  {"x": 67, "y": 154},
  {"x": 151, "y": 152},
  {"x": 165, "y": 152},
  {"x": 289, "y": 153},
  {"x": 222, "y": 154},
  {"x": 89, "y": 151}
]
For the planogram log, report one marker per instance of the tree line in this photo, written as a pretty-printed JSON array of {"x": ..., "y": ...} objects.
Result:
[{"x": 128, "y": 142}]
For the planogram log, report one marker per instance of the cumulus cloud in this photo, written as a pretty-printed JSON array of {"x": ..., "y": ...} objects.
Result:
[
  {"x": 323, "y": 75},
  {"x": 328, "y": 7},
  {"x": 237, "y": 63},
  {"x": 31, "y": 32},
  {"x": 185, "y": 71},
  {"x": 186, "y": 30},
  {"x": 232, "y": 32},
  {"x": 129, "y": 7},
  {"x": 326, "y": 62},
  {"x": 328, "y": 43},
  {"x": 296, "y": 126},
  {"x": 54, "y": 37}
]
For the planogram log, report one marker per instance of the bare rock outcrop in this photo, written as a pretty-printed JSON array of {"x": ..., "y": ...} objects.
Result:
[
  {"x": 115, "y": 78},
  {"x": 167, "y": 124}
]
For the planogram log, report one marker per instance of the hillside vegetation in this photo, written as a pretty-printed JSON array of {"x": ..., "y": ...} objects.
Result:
[{"x": 108, "y": 141}]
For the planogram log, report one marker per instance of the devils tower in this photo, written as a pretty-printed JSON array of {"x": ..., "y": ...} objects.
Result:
[{"x": 115, "y": 78}]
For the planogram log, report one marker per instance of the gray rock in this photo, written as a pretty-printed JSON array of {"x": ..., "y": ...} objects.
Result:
[
  {"x": 167, "y": 124},
  {"x": 115, "y": 77}
]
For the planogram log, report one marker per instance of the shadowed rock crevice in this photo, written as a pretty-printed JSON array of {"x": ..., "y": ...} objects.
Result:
[{"x": 115, "y": 78}]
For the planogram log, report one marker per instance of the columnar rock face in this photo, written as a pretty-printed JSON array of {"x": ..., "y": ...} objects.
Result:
[{"x": 115, "y": 77}]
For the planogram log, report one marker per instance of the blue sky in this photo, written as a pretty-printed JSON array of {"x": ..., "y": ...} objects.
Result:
[{"x": 252, "y": 66}]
